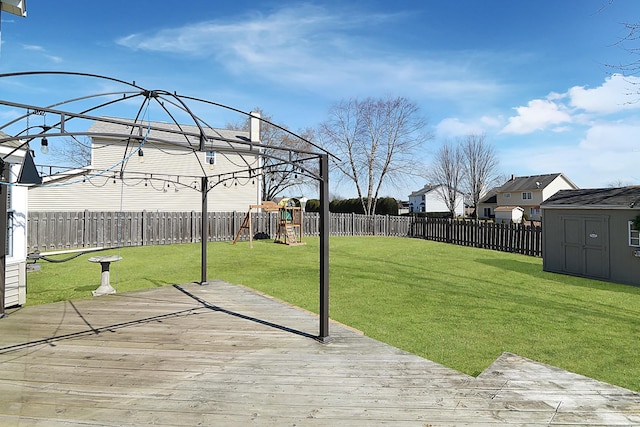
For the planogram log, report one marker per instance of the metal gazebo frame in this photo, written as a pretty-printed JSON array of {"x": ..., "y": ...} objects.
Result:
[{"x": 199, "y": 138}]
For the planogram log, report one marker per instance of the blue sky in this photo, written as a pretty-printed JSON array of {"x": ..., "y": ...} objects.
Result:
[{"x": 534, "y": 76}]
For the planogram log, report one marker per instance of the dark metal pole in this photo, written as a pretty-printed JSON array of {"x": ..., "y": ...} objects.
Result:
[
  {"x": 324, "y": 248},
  {"x": 4, "y": 191},
  {"x": 204, "y": 188}
]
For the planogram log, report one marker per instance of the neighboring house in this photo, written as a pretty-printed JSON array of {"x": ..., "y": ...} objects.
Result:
[
  {"x": 16, "y": 245},
  {"x": 590, "y": 233},
  {"x": 429, "y": 199},
  {"x": 509, "y": 214},
  {"x": 529, "y": 192},
  {"x": 167, "y": 180},
  {"x": 487, "y": 205}
]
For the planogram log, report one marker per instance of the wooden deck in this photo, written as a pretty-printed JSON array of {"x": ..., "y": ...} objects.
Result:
[{"x": 224, "y": 355}]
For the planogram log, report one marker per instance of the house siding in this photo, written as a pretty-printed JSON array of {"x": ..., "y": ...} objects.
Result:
[
  {"x": 15, "y": 292},
  {"x": 433, "y": 202},
  {"x": 556, "y": 185},
  {"x": 103, "y": 194},
  {"x": 538, "y": 195},
  {"x": 141, "y": 190},
  {"x": 15, "y": 272}
]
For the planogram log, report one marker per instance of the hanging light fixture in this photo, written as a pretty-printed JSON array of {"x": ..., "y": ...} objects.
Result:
[
  {"x": 44, "y": 145},
  {"x": 140, "y": 156}
]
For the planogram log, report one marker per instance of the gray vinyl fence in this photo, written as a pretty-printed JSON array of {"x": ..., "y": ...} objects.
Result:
[{"x": 53, "y": 231}]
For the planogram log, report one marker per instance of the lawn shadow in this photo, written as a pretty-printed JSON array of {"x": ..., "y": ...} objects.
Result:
[{"x": 536, "y": 271}]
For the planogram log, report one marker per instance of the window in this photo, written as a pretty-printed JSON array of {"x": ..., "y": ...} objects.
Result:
[
  {"x": 507, "y": 195},
  {"x": 634, "y": 235},
  {"x": 210, "y": 158},
  {"x": 527, "y": 195},
  {"x": 535, "y": 211}
]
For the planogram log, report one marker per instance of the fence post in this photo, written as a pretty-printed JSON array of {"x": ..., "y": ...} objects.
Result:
[{"x": 353, "y": 223}]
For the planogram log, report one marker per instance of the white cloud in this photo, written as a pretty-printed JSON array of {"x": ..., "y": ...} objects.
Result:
[
  {"x": 579, "y": 105},
  {"x": 617, "y": 93},
  {"x": 43, "y": 52},
  {"x": 454, "y": 127},
  {"x": 539, "y": 114},
  {"x": 612, "y": 137},
  {"x": 33, "y": 47},
  {"x": 321, "y": 50},
  {"x": 586, "y": 168}
]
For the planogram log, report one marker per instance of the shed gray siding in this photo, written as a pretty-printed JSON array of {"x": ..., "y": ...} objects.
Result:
[{"x": 590, "y": 242}]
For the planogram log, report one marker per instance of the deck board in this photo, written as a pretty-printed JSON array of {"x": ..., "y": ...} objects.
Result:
[{"x": 225, "y": 355}]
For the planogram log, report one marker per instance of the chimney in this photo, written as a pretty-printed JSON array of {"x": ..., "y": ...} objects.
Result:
[
  {"x": 254, "y": 126},
  {"x": 513, "y": 177}
]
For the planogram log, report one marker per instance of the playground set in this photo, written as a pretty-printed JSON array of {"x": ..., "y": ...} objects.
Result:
[{"x": 289, "y": 230}]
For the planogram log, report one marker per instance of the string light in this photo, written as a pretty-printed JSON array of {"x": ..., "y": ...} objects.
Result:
[{"x": 44, "y": 145}]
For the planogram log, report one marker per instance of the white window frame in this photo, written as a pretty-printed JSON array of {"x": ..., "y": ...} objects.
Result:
[
  {"x": 527, "y": 195},
  {"x": 634, "y": 235},
  {"x": 507, "y": 195}
]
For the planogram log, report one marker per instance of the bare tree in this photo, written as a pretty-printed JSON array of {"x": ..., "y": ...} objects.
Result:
[
  {"x": 73, "y": 152},
  {"x": 619, "y": 183},
  {"x": 446, "y": 172},
  {"x": 480, "y": 165},
  {"x": 376, "y": 141},
  {"x": 278, "y": 177}
]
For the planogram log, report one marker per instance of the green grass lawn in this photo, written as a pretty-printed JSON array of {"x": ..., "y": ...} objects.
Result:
[{"x": 458, "y": 306}]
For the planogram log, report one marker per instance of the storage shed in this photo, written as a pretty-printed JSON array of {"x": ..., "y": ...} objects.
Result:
[
  {"x": 590, "y": 233},
  {"x": 509, "y": 214}
]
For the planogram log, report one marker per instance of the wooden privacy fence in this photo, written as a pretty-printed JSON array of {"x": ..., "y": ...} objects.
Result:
[
  {"x": 50, "y": 231},
  {"x": 506, "y": 237}
]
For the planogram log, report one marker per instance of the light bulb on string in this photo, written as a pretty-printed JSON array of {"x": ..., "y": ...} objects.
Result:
[{"x": 44, "y": 145}]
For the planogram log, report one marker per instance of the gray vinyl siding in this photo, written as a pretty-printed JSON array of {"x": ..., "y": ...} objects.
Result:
[
  {"x": 168, "y": 163},
  {"x": 15, "y": 284},
  {"x": 623, "y": 267},
  {"x": 102, "y": 194}
]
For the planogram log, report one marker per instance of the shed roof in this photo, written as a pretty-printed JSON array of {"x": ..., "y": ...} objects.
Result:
[
  {"x": 619, "y": 197},
  {"x": 521, "y": 183},
  {"x": 508, "y": 208}
]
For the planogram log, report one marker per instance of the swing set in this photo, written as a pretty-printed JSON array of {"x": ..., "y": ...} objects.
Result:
[{"x": 290, "y": 222}]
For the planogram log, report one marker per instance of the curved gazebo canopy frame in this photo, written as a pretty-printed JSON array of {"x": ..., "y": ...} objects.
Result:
[{"x": 184, "y": 127}]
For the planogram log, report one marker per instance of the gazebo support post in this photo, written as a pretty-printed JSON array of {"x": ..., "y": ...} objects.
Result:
[
  {"x": 204, "y": 225},
  {"x": 324, "y": 249}
]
